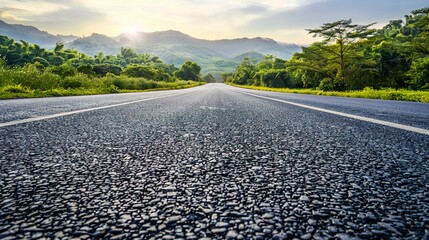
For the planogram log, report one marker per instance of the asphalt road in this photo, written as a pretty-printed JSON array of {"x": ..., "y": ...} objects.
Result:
[{"x": 212, "y": 162}]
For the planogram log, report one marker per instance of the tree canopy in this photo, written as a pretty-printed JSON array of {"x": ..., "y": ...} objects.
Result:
[{"x": 350, "y": 57}]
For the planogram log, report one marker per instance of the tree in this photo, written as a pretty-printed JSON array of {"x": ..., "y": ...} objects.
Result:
[
  {"x": 245, "y": 72},
  {"x": 339, "y": 40},
  {"x": 140, "y": 71},
  {"x": 419, "y": 74},
  {"x": 103, "y": 69},
  {"x": 87, "y": 69},
  {"x": 127, "y": 53},
  {"x": 189, "y": 71},
  {"x": 276, "y": 78},
  {"x": 392, "y": 63},
  {"x": 59, "y": 46},
  {"x": 42, "y": 61},
  {"x": 63, "y": 70},
  {"x": 55, "y": 60},
  {"x": 313, "y": 65}
]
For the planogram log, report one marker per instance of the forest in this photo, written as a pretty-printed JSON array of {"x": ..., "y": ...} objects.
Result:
[
  {"x": 349, "y": 57},
  {"x": 27, "y": 70}
]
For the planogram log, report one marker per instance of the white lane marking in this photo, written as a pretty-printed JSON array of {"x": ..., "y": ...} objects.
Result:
[
  {"x": 56, "y": 115},
  {"x": 366, "y": 119}
]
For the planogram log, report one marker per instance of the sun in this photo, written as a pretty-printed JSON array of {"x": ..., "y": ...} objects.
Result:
[{"x": 130, "y": 30}]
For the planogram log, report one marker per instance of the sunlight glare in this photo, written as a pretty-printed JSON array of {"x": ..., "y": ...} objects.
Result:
[{"x": 131, "y": 30}]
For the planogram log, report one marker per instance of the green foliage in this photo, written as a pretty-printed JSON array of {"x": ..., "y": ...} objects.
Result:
[
  {"x": 56, "y": 60},
  {"x": 78, "y": 80},
  {"x": 270, "y": 72},
  {"x": 328, "y": 84},
  {"x": 30, "y": 71},
  {"x": 189, "y": 71},
  {"x": 140, "y": 71},
  {"x": 128, "y": 53},
  {"x": 63, "y": 70},
  {"x": 16, "y": 89},
  {"x": 339, "y": 56},
  {"x": 245, "y": 72},
  {"x": 30, "y": 82},
  {"x": 87, "y": 69},
  {"x": 41, "y": 60},
  {"x": 350, "y": 57},
  {"x": 419, "y": 74},
  {"x": 19, "y": 54},
  {"x": 385, "y": 94},
  {"x": 103, "y": 69}
]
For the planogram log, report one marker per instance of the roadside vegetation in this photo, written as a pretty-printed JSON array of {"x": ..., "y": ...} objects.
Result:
[
  {"x": 351, "y": 60},
  {"x": 385, "y": 94},
  {"x": 26, "y": 70}
]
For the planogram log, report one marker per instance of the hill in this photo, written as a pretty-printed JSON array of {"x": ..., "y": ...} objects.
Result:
[
  {"x": 33, "y": 35},
  {"x": 173, "y": 47}
]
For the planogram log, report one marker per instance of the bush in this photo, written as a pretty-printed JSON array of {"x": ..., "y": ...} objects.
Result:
[
  {"x": 112, "y": 89},
  {"x": 86, "y": 69},
  {"x": 42, "y": 61},
  {"x": 28, "y": 76},
  {"x": 138, "y": 71},
  {"x": 63, "y": 70},
  {"x": 419, "y": 74},
  {"x": 327, "y": 84},
  {"x": 103, "y": 69},
  {"x": 16, "y": 89},
  {"x": 78, "y": 81}
]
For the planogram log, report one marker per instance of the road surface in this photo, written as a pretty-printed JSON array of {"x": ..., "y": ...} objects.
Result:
[{"x": 213, "y": 162}]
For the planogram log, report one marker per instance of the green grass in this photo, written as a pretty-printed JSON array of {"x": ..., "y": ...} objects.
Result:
[
  {"x": 9, "y": 92},
  {"x": 385, "y": 94},
  {"x": 28, "y": 82}
]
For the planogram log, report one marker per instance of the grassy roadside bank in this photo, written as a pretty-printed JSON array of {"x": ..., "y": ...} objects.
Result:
[
  {"x": 385, "y": 94},
  {"x": 31, "y": 82},
  {"x": 18, "y": 91}
]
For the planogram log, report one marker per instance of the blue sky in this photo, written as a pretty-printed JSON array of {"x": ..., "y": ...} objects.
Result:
[{"x": 283, "y": 21}]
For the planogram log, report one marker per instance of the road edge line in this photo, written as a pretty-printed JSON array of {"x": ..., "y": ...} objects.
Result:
[
  {"x": 361, "y": 118},
  {"x": 62, "y": 114}
]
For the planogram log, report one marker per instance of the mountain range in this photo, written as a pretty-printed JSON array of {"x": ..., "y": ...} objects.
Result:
[
  {"x": 173, "y": 47},
  {"x": 32, "y": 35}
]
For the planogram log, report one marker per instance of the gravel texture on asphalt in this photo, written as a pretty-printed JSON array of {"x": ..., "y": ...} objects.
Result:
[{"x": 212, "y": 164}]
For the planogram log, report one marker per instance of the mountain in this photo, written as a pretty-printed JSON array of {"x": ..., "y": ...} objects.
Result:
[
  {"x": 32, "y": 35},
  {"x": 95, "y": 44},
  {"x": 173, "y": 47},
  {"x": 173, "y": 42},
  {"x": 251, "y": 55},
  {"x": 215, "y": 56}
]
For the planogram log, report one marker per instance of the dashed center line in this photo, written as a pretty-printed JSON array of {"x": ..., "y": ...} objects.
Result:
[{"x": 366, "y": 119}]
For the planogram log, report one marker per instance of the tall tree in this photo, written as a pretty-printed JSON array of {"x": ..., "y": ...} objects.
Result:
[{"x": 339, "y": 40}]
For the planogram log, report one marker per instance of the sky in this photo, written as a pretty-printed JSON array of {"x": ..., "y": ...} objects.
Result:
[{"x": 281, "y": 20}]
